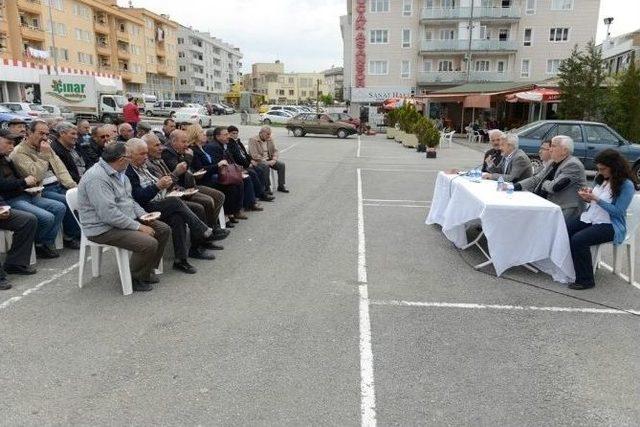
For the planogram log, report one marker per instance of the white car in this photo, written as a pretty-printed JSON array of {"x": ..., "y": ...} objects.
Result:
[
  {"x": 193, "y": 105},
  {"x": 64, "y": 112},
  {"x": 275, "y": 116},
  {"x": 193, "y": 115},
  {"x": 26, "y": 109}
]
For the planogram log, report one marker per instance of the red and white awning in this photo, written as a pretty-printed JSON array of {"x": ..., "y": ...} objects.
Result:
[{"x": 535, "y": 95}]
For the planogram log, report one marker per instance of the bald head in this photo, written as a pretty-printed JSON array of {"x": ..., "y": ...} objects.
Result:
[
  {"x": 178, "y": 141},
  {"x": 125, "y": 131},
  {"x": 154, "y": 146}
]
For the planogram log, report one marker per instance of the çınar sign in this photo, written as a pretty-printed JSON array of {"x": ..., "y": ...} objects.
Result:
[
  {"x": 68, "y": 92},
  {"x": 379, "y": 94}
]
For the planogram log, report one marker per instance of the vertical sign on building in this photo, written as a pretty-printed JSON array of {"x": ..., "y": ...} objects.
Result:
[{"x": 361, "y": 40}]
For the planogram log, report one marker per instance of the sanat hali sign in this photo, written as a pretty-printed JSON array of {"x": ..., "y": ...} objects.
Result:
[{"x": 379, "y": 94}]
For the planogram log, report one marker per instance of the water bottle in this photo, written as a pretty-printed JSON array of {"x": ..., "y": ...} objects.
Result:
[
  {"x": 509, "y": 190},
  {"x": 500, "y": 183}
]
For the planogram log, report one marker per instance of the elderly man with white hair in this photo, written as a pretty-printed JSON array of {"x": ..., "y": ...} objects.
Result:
[
  {"x": 560, "y": 181},
  {"x": 265, "y": 155},
  {"x": 493, "y": 156},
  {"x": 515, "y": 165},
  {"x": 125, "y": 132}
]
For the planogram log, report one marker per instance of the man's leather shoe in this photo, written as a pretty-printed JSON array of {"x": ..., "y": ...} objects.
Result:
[
  {"x": 19, "y": 269},
  {"x": 267, "y": 198},
  {"x": 233, "y": 220},
  {"x": 283, "y": 189},
  {"x": 580, "y": 286},
  {"x": 153, "y": 279},
  {"x": 4, "y": 284},
  {"x": 185, "y": 267},
  {"x": 219, "y": 234},
  {"x": 229, "y": 224},
  {"x": 200, "y": 253},
  {"x": 211, "y": 245},
  {"x": 46, "y": 252},
  {"x": 71, "y": 244},
  {"x": 269, "y": 192},
  {"x": 256, "y": 208},
  {"x": 139, "y": 286},
  {"x": 240, "y": 215}
]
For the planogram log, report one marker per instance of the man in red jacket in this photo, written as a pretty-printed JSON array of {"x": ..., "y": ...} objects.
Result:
[{"x": 131, "y": 113}]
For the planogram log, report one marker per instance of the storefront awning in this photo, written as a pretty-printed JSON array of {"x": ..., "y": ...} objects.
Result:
[
  {"x": 535, "y": 95},
  {"x": 476, "y": 95}
]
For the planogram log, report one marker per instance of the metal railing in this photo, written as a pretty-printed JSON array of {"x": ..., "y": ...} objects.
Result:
[
  {"x": 463, "y": 45},
  {"x": 461, "y": 76},
  {"x": 478, "y": 12}
]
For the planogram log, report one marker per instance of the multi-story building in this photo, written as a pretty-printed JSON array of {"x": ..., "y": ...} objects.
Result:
[
  {"x": 400, "y": 47},
  {"x": 279, "y": 87},
  {"x": 619, "y": 52},
  {"x": 207, "y": 66},
  {"x": 334, "y": 81}
]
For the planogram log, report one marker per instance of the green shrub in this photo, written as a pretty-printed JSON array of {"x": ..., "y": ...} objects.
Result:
[{"x": 427, "y": 132}]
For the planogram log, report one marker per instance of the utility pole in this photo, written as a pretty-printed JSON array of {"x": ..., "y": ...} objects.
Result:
[
  {"x": 53, "y": 40},
  {"x": 470, "y": 27},
  {"x": 318, "y": 96}
]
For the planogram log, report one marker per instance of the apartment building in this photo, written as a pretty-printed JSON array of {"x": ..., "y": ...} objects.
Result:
[
  {"x": 403, "y": 47},
  {"x": 207, "y": 66},
  {"x": 334, "y": 82},
  {"x": 618, "y": 52},
  {"x": 279, "y": 87}
]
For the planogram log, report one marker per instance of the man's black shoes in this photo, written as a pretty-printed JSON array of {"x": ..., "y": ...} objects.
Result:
[
  {"x": 185, "y": 267},
  {"x": 19, "y": 269}
]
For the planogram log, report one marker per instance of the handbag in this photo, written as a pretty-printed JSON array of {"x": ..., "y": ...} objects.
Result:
[{"x": 230, "y": 174}]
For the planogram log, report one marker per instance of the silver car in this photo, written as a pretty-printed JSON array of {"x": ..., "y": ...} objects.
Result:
[
  {"x": 27, "y": 109},
  {"x": 64, "y": 112}
]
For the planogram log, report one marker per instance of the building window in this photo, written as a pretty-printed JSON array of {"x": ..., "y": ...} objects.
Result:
[
  {"x": 379, "y": 36},
  {"x": 378, "y": 68},
  {"x": 561, "y": 4},
  {"x": 407, "y": 7},
  {"x": 530, "y": 8},
  {"x": 528, "y": 33},
  {"x": 483, "y": 65},
  {"x": 524, "y": 68},
  {"x": 379, "y": 6},
  {"x": 406, "y": 38},
  {"x": 445, "y": 65},
  {"x": 56, "y": 4},
  {"x": 552, "y": 66},
  {"x": 558, "y": 34},
  {"x": 426, "y": 65},
  {"x": 83, "y": 35},
  {"x": 447, "y": 34},
  {"x": 81, "y": 11},
  {"x": 428, "y": 36},
  {"x": 501, "y": 67},
  {"x": 290, "y": 92},
  {"x": 405, "y": 69},
  {"x": 85, "y": 58},
  {"x": 180, "y": 40},
  {"x": 59, "y": 53}
]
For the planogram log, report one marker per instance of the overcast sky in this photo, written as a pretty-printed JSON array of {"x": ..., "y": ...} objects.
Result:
[{"x": 305, "y": 34}]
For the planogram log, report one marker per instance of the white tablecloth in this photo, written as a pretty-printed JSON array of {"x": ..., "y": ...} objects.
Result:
[{"x": 521, "y": 228}]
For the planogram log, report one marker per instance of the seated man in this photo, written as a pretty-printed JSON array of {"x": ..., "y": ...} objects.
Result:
[
  {"x": 23, "y": 225},
  {"x": 168, "y": 126},
  {"x": 84, "y": 132},
  {"x": 560, "y": 181},
  {"x": 109, "y": 216},
  {"x": 48, "y": 213},
  {"x": 125, "y": 132},
  {"x": 263, "y": 151},
  {"x": 92, "y": 150},
  {"x": 65, "y": 148},
  {"x": 515, "y": 165},
  {"x": 493, "y": 156},
  {"x": 241, "y": 156},
  {"x": 142, "y": 129},
  {"x": 18, "y": 127},
  {"x": 34, "y": 157},
  {"x": 151, "y": 193},
  {"x": 178, "y": 157},
  {"x": 545, "y": 153}
]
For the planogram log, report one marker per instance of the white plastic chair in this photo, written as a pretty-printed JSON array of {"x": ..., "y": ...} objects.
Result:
[
  {"x": 274, "y": 179},
  {"x": 633, "y": 222},
  {"x": 221, "y": 219},
  {"x": 6, "y": 239},
  {"x": 446, "y": 138},
  {"x": 122, "y": 255}
]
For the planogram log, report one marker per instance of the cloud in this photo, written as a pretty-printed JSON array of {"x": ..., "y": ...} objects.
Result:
[{"x": 304, "y": 34}]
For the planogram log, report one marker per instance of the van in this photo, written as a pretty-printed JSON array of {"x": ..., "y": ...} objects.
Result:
[{"x": 165, "y": 108}]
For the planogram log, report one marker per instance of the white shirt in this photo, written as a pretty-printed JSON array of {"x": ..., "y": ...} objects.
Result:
[{"x": 594, "y": 213}]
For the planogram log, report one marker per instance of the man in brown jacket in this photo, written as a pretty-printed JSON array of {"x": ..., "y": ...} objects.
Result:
[
  {"x": 264, "y": 155},
  {"x": 35, "y": 157}
]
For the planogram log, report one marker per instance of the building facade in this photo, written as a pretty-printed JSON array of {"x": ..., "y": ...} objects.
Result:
[
  {"x": 334, "y": 82},
  {"x": 619, "y": 52},
  {"x": 207, "y": 66},
  {"x": 403, "y": 47},
  {"x": 278, "y": 87}
]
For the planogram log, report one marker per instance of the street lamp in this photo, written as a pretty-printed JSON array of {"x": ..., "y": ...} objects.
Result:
[{"x": 607, "y": 22}]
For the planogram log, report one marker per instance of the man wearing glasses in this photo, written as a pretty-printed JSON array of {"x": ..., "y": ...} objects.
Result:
[
  {"x": 493, "y": 157},
  {"x": 91, "y": 152}
]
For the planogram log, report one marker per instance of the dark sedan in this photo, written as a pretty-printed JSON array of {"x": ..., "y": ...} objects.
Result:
[{"x": 589, "y": 139}]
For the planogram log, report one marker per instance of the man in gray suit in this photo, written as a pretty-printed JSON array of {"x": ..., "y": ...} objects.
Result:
[
  {"x": 515, "y": 164},
  {"x": 560, "y": 181}
]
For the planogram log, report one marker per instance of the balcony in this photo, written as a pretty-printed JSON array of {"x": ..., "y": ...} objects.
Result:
[
  {"x": 162, "y": 68},
  {"x": 458, "y": 13},
  {"x": 105, "y": 67},
  {"x": 121, "y": 35},
  {"x": 125, "y": 73},
  {"x": 123, "y": 53},
  {"x": 103, "y": 48},
  {"x": 101, "y": 26},
  {"x": 457, "y": 77},
  {"x": 31, "y": 6},
  {"x": 428, "y": 46},
  {"x": 32, "y": 33},
  {"x": 160, "y": 50}
]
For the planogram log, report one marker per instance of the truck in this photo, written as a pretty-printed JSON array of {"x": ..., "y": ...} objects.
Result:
[{"x": 90, "y": 97}]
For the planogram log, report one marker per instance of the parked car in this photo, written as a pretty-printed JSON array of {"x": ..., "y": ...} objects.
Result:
[
  {"x": 228, "y": 109},
  {"x": 343, "y": 117},
  {"x": 275, "y": 117},
  {"x": 322, "y": 124},
  {"x": 27, "y": 109},
  {"x": 589, "y": 139},
  {"x": 165, "y": 108},
  {"x": 193, "y": 115},
  {"x": 6, "y": 115},
  {"x": 64, "y": 112}
]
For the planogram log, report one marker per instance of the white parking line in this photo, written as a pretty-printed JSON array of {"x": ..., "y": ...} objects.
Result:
[
  {"x": 505, "y": 307},
  {"x": 389, "y": 205},
  {"x": 396, "y": 200},
  {"x": 367, "y": 388},
  {"x": 400, "y": 170},
  {"x": 290, "y": 147}
]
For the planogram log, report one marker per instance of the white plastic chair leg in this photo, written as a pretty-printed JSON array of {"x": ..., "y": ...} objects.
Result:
[
  {"x": 122, "y": 257},
  {"x": 221, "y": 219},
  {"x": 59, "y": 242},
  {"x": 32, "y": 261},
  {"x": 631, "y": 257},
  {"x": 274, "y": 179},
  {"x": 595, "y": 257},
  {"x": 96, "y": 260},
  {"x": 81, "y": 264},
  {"x": 160, "y": 268}
]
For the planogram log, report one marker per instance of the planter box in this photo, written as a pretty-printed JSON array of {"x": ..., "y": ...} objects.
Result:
[
  {"x": 431, "y": 153},
  {"x": 400, "y": 135},
  {"x": 410, "y": 140},
  {"x": 391, "y": 132}
]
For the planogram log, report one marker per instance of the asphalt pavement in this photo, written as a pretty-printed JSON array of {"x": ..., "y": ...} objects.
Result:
[{"x": 277, "y": 329}]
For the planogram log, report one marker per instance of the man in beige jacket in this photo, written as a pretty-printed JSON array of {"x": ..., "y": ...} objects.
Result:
[
  {"x": 35, "y": 157},
  {"x": 264, "y": 155}
]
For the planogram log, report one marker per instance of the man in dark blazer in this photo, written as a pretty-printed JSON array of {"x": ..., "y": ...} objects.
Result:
[
  {"x": 65, "y": 147},
  {"x": 515, "y": 164}
]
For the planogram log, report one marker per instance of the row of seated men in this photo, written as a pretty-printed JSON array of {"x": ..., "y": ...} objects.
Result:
[{"x": 120, "y": 177}]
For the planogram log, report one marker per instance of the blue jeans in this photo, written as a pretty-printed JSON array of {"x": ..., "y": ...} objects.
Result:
[
  {"x": 49, "y": 213},
  {"x": 69, "y": 224}
]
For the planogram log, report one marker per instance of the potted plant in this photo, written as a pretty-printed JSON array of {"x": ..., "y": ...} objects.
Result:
[
  {"x": 392, "y": 121},
  {"x": 428, "y": 136},
  {"x": 412, "y": 117}
]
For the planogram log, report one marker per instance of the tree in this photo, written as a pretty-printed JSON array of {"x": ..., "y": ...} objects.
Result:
[
  {"x": 625, "y": 104},
  {"x": 580, "y": 82},
  {"x": 327, "y": 99}
]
